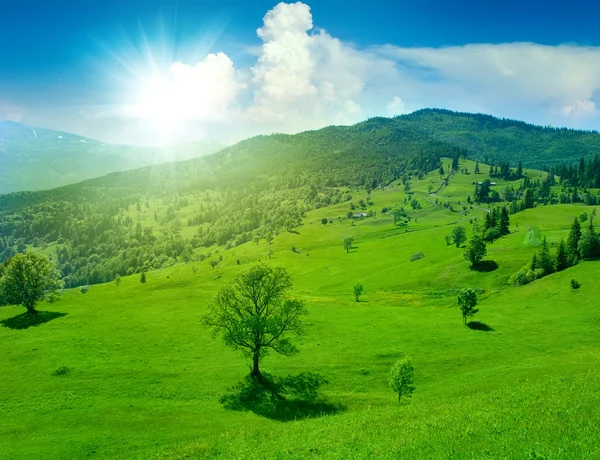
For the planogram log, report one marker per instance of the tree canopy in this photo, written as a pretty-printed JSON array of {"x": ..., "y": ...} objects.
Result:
[
  {"x": 27, "y": 278},
  {"x": 254, "y": 314}
]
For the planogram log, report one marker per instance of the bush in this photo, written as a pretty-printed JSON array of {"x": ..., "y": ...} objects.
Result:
[
  {"x": 526, "y": 275},
  {"x": 417, "y": 256},
  {"x": 54, "y": 296},
  {"x": 402, "y": 377},
  {"x": 575, "y": 284},
  {"x": 84, "y": 289}
]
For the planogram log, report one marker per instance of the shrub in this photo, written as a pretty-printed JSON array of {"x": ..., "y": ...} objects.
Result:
[
  {"x": 575, "y": 284},
  {"x": 526, "y": 275},
  {"x": 84, "y": 289},
  {"x": 54, "y": 296},
  {"x": 417, "y": 256}
]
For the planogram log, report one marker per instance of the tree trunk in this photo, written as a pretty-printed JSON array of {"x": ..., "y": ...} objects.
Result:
[
  {"x": 31, "y": 309},
  {"x": 255, "y": 370}
]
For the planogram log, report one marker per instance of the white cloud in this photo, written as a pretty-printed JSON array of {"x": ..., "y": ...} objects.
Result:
[
  {"x": 521, "y": 80},
  {"x": 580, "y": 109},
  {"x": 304, "y": 78},
  {"x": 396, "y": 107}
]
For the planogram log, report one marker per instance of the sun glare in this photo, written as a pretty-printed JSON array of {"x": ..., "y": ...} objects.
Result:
[{"x": 162, "y": 103}]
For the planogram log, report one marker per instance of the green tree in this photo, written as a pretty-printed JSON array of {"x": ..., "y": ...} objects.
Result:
[
  {"x": 402, "y": 377},
  {"x": 441, "y": 170},
  {"x": 324, "y": 220},
  {"x": 519, "y": 170},
  {"x": 573, "y": 242},
  {"x": 475, "y": 250},
  {"x": 254, "y": 314},
  {"x": 589, "y": 246},
  {"x": 358, "y": 290},
  {"x": 348, "y": 243},
  {"x": 27, "y": 278},
  {"x": 118, "y": 280},
  {"x": 467, "y": 301},
  {"x": 143, "y": 278},
  {"x": 562, "y": 258},
  {"x": 459, "y": 235},
  {"x": 504, "y": 222},
  {"x": 528, "y": 199},
  {"x": 544, "y": 259}
]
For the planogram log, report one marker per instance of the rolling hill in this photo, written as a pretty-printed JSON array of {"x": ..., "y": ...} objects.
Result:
[
  {"x": 39, "y": 159},
  {"x": 126, "y": 370},
  {"x": 492, "y": 139},
  {"x": 34, "y": 158}
]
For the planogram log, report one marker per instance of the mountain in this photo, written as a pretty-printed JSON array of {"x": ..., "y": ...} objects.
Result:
[
  {"x": 34, "y": 158},
  {"x": 492, "y": 139}
]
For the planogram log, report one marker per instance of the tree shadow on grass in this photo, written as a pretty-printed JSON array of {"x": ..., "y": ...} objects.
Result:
[
  {"x": 25, "y": 320},
  {"x": 485, "y": 266},
  {"x": 281, "y": 398},
  {"x": 479, "y": 326}
]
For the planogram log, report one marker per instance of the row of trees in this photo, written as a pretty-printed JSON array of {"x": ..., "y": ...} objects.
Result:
[{"x": 580, "y": 245}]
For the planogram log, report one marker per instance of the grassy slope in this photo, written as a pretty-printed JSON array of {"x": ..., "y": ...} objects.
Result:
[{"x": 144, "y": 377}]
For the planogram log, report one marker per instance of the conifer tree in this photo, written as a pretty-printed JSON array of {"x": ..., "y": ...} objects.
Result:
[
  {"x": 545, "y": 261},
  {"x": 573, "y": 242},
  {"x": 589, "y": 244},
  {"x": 504, "y": 222},
  {"x": 562, "y": 258},
  {"x": 519, "y": 170}
]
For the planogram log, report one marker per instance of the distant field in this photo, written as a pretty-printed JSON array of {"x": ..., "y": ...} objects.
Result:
[{"x": 129, "y": 372}]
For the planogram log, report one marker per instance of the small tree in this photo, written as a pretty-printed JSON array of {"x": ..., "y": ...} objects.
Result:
[
  {"x": 324, "y": 220},
  {"x": 459, "y": 235},
  {"x": 213, "y": 263},
  {"x": 348, "y": 243},
  {"x": 467, "y": 301},
  {"x": 402, "y": 377},
  {"x": 562, "y": 258},
  {"x": 143, "y": 278},
  {"x": 358, "y": 290},
  {"x": 27, "y": 278},
  {"x": 475, "y": 250},
  {"x": 544, "y": 259},
  {"x": 573, "y": 242},
  {"x": 254, "y": 314},
  {"x": 118, "y": 280}
]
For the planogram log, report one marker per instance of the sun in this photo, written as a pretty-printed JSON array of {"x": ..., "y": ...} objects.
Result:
[{"x": 163, "y": 103}]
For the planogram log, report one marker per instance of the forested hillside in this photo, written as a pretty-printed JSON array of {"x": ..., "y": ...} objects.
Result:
[
  {"x": 490, "y": 139},
  {"x": 153, "y": 217}
]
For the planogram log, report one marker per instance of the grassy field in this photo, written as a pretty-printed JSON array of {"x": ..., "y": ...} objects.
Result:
[{"x": 128, "y": 371}]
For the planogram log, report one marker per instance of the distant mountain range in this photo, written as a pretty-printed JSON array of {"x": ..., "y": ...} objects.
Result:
[{"x": 34, "y": 158}]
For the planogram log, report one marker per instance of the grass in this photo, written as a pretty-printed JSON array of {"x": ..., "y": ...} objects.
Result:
[{"x": 128, "y": 371}]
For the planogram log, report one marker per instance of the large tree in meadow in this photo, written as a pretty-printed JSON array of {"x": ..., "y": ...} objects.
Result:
[
  {"x": 27, "y": 278},
  {"x": 254, "y": 314}
]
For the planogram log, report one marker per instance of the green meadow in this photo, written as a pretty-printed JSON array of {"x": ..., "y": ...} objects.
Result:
[{"x": 128, "y": 371}]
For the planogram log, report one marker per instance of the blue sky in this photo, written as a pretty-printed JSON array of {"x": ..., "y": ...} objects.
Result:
[{"x": 163, "y": 71}]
